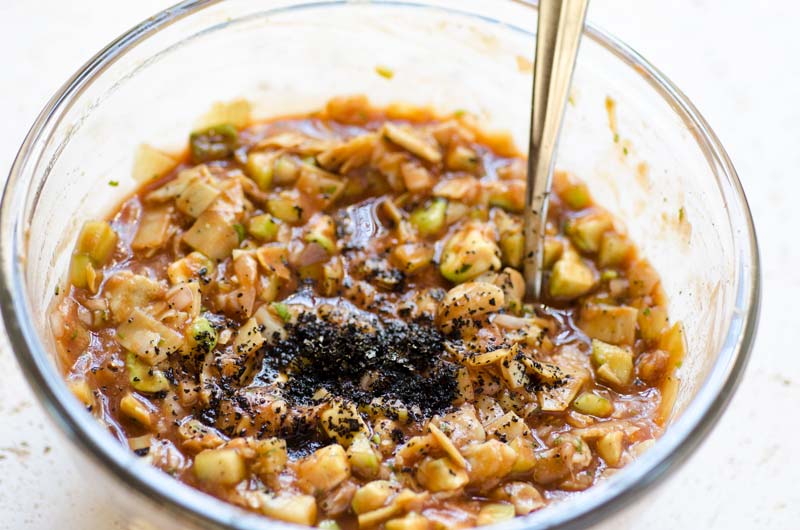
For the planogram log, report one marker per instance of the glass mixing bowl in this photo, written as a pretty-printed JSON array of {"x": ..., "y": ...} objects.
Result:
[{"x": 664, "y": 173}]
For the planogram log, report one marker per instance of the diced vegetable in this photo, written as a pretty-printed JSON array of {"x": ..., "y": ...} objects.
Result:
[
  {"x": 364, "y": 460},
  {"x": 140, "y": 443},
  {"x": 413, "y": 142},
  {"x": 401, "y": 502},
  {"x": 508, "y": 195},
  {"x": 150, "y": 163},
  {"x": 553, "y": 249},
  {"x": 271, "y": 456},
  {"x": 260, "y": 167},
  {"x": 608, "y": 323},
  {"x": 609, "y": 447},
  {"x": 136, "y": 408},
  {"x": 652, "y": 366},
  {"x": 587, "y": 232},
  {"x": 98, "y": 241},
  {"x": 201, "y": 337},
  {"x": 411, "y": 257},
  {"x": 322, "y": 231},
  {"x": 447, "y": 445},
  {"x": 174, "y": 187},
  {"x": 213, "y": 235},
  {"x": 462, "y": 158},
  {"x": 558, "y": 398},
  {"x": 249, "y": 338},
  {"x": 126, "y": 292},
  {"x": 329, "y": 524},
  {"x": 263, "y": 227},
  {"x": 513, "y": 285},
  {"x": 487, "y": 357},
  {"x": 144, "y": 377},
  {"x": 507, "y": 427},
  {"x": 513, "y": 248},
  {"x": 196, "y": 198},
  {"x": 458, "y": 190},
  {"x": 237, "y": 112},
  {"x": 82, "y": 273},
  {"x": 412, "y": 521},
  {"x": 324, "y": 470},
  {"x": 652, "y": 321},
  {"x": 350, "y": 154},
  {"x": 642, "y": 277},
  {"x": 274, "y": 258},
  {"x": 489, "y": 461},
  {"x": 492, "y": 513},
  {"x": 469, "y": 300},
  {"x": 513, "y": 373},
  {"x": 153, "y": 229},
  {"x": 614, "y": 364},
  {"x": 523, "y": 496},
  {"x": 553, "y": 465},
  {"x": 572, "y": 190},
  {"x": 526, "y": 457},
  {"x": 342, "y": 422},
  {"x": 285, "y": 207},
  {"x": 416, "y": 178},
  {"x": 317, "y": 183},
  {"x": 298, "y": 509},
  {"x": 571, "y": 278},
  {"x": 588, "y": 403},
  {"x": 441, "y": 474},
  {"x": 469, "y": 253},
  {"x": 614, "y": 250},
  {"x": 372, "y": 496},
  {"x": 214, "y": 143},
  {"x": 219, "y": 466},
  {"x": 673, "y": 341},
  {"x": 282, "y": 310},
  {"x": 379, "y": 407},
  {"x": 80, "y": 389},
  {"x": 354, "y": 109},
  {"x": 608, "y": 275},
  {"x": 429, "y": 219},
  {"x": 195, "y": 264},
  {"x": 148, "y": 338},
  {"x": 241, "y": 233},
  {"x": 286, "y": 171}
]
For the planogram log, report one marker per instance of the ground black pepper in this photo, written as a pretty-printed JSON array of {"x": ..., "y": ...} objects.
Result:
[{"x": 394, "y": 360}]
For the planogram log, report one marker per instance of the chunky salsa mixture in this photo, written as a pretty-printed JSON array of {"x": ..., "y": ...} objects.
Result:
[{"x": 321, "y": 319}]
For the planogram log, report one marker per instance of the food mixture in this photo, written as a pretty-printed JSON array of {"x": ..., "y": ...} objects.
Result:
[{"x": 321, "y": 319}]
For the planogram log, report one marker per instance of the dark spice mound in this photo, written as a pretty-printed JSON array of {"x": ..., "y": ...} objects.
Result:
[{"x": 390, "y": 359}]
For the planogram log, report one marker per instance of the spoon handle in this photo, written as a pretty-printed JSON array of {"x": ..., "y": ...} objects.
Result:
[{"x": 560, "y": 27}]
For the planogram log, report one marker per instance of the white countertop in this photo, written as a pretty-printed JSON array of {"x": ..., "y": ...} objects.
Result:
[{"x": 736, "y": 60}]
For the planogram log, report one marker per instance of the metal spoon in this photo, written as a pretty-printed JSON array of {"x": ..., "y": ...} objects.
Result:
[{"x": 559, "y": 32}]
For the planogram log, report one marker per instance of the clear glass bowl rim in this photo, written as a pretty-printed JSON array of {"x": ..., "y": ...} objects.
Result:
[{"x": 597, "y": 503}]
